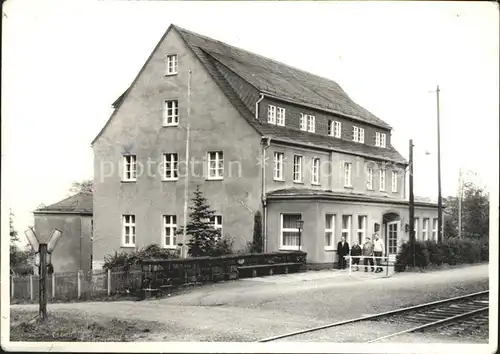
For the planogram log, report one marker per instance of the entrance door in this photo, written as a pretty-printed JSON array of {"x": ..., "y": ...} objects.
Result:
[{"x": 392, "y": 239}]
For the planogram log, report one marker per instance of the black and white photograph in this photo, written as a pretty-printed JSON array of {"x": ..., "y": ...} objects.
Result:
[{"x": 250, "y": 176}]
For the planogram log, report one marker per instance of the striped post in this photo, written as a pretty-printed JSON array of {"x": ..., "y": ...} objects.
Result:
[
  {"x": 79, "y": 286},
  {"x": 109, "y": 282},
  {"x": 32, "y": 295},
  {"x": 53, "y": 285}
]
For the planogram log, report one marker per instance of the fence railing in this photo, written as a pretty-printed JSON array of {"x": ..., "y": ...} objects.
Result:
[
  {"x": 155, "y": 272},
  {"x": 387, "y": 263},
  {"x": 74, "y": 285}
]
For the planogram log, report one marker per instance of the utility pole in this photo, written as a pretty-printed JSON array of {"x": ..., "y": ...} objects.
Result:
[
  {"x": 440, "y": 202},
  {"x": 460, "y": 203},
  {"x": 412, "y": 206},
  {"x": 186, "y": 181}
]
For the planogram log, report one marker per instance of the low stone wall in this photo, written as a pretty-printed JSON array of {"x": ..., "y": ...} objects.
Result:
[{"x": 167, "y": 274}]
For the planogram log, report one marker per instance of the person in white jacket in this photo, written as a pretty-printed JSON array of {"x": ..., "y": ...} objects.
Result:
[{"x": 378, "y": 251}]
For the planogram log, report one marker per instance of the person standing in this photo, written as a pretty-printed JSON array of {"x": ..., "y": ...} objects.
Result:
[
  {"x": 355, "y": 253},
  {"x": 378, "y": 250},
  {"x": 368, "y": 253},
  {"x": 342, "y": 251}
]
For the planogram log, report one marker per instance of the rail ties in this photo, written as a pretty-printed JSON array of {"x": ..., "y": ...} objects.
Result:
[{"x": 471, "y": 308}]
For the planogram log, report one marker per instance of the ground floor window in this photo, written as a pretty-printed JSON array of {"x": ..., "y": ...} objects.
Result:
[
  {"x": 290, "y": 231},
  {"x": 169, "y": 231},
  {"x": 329, "y": 231},
  {"x": 128, "y": 230},
  {"x": 216, "y": 222},
  {"x": 392, "y": 238},
  {"x": 415, "y": 228},
  {"x": 361, "y": 229},
  {"x": 434, "y": 229},
  {"x": 346, "y": 227},
  {"x": 425, "y": 229}
]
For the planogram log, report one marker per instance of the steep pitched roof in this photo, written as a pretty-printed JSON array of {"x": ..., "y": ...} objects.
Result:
[
  {"x": 204, "y": 48},
  {"x": 80, "y": 203},
  {"x": 282, "y": 80},
  {"x": 242, "y": 76}
]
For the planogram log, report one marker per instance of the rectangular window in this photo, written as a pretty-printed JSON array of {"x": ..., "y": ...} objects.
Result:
[
  {"x": 346, "y": 227},
  {"x": 171, "y": 117},
  {"x": 171, "y": 166},
  {"x": 394, "y": 181},
  {"x": 311, "y": 124},
  {"x": 392, "y": 238},
  {"x": 361, "y": 228},
  {"x": 382, "y": 179},
  {"x": 334, "y": 128},
  {"x": 329, "y": 231},
  {"x": 382, "y": 140},
  {"x": 297, "y": 168},
  {"x": 377, "y": 139},
  {"x": 216, "y": 222},
  {"x": 434, "y": 229},
  {"x": 171, "y": 68},
  {"x": 337, "y": 129},
  {"x": 289, "y": 231},
  {"x": 415, "y": 227},
  {"x": 278, "y": 166},
  {"x": 425, "y": 229},
  {"x": 315, "y": 171},
  {"x": 271, "y": 114},
  {"x": 215, "y": 165},
  {"x": 347, "y": 174},
  {"x": 129, "y": 168},
  {"x": 369, "y": 183},
  {"x": 128, "y": 230},
  {"x": 355, "y": 133},
  {"x": 358, "y": 134},
  {"x": 303, "y": 122},
  {"x": 280, "y": 116},
  {"x": 169, "y": 231}
]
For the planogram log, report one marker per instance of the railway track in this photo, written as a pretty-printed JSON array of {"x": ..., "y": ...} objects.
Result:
[{"x": 454, "y": 314}]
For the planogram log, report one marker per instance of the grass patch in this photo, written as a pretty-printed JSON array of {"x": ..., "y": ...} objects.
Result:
[{"x": 67, "y": 327}]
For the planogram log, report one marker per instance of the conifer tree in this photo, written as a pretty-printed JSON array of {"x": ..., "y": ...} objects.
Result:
[{"x": 203, "y": 236}]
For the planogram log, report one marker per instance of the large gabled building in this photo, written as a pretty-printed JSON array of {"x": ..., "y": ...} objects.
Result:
[{"x": 263, "y": 136}]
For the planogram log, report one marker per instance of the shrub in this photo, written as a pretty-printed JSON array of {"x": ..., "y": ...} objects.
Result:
[
  {"x": 258, "y": 242},
  {"x": 126, "y": 260},
  {"x": 451, "y": 251},
  {"x": 223, "y": 246},
  {"x": 405, "y": 257}
]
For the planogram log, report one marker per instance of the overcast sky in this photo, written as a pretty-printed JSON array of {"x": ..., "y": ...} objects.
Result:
[{"x": 65, "y": 62}]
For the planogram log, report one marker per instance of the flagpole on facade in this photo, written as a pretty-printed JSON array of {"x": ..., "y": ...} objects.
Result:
[{"x": 186, "y": 180}]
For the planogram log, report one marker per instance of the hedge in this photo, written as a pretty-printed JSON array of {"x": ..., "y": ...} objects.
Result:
[{"x": 452, "y": 251}]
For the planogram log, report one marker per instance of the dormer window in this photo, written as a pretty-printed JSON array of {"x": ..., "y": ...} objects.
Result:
[
  {"x": 307, "y": 123},
  {"x": 171, "y": 68},
  {"x": 380, "y": 139},
  {"x": 358, "y": 134},
  {"x": 280, "y": 116},
  {"x": 334, "y": 128},
  {"x": 276, "y": 115},
  {"x": 271, "y": 114}
]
